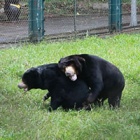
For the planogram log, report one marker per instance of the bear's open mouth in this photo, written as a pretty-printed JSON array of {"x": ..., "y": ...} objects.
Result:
[
  {"x": 71, "y": 73},
  {"x": 22, "y": 85},
  {"x": 73, "y": 77}
]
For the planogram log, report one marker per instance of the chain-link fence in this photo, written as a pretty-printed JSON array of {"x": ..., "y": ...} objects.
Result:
[
  {"x": 63, "y": 18},
  {"x": 13, "y": 20}
]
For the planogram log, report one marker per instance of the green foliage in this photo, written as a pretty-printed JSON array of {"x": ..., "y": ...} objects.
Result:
[
  {"x": 123, "y": 1},
  {"x": 23, "y": 116},
  {"x": 66, "y": 7}
]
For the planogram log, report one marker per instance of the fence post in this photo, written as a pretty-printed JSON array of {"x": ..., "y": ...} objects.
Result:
[
  {"x": 36, "y": 20},
  {"x": 115, "y": 15},
  {"x": 75, "y": 13},
  {"x": 133, "y": 13}
]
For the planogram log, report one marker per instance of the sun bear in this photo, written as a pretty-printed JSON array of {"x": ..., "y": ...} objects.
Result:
[
  {"x": 62, "y": 90},
  {"x": 103, "y": 78}
]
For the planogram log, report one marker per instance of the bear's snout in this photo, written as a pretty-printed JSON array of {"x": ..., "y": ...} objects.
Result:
[
  {"x": 69, "y": 71},
  {"x": 22, "y": 85}
]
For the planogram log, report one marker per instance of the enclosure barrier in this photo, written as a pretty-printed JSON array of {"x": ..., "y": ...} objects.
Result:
[
  {"x": 36, "y": 20},
  {"x": 115, "y": 15},
  {"x": 23, "y": 20}
]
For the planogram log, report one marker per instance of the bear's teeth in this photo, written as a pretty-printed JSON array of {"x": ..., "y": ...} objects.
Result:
[
  {"x": 25, "y": 89},
  {"x": 74, "y": 77}
]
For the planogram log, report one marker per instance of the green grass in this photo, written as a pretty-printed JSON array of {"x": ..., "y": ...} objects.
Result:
[{"x": 23, "y": 116}]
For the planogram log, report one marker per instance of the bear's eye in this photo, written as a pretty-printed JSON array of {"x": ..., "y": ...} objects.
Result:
[{"x": 63, "y": 68}]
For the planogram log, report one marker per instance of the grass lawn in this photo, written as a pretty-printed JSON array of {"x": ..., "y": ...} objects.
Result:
[{"x": 23, "y": 116}]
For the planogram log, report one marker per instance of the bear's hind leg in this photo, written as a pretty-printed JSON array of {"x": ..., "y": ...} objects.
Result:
[{"x": 114, "y": 101}]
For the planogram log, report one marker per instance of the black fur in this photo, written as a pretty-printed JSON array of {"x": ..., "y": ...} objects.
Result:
[
  {"x": 104, "y": 78},
  {"x": 62, "y": 90}
]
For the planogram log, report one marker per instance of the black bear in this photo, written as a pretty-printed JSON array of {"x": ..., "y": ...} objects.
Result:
[
  {"x": 62, "y": 90},
  {"x": 12, "y": 9},
  {"x": 105, "y": 79}
]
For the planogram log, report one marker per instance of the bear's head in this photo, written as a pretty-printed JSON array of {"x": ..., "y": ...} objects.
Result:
[
  {"x": 71, "y": 66},
  {"x": 42, "y": 77},
  {"x": 30, "y": 79}
]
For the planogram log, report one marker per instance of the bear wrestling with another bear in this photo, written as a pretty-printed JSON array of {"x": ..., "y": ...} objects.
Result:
[
  {"x": 62, "y": 90},
  {"x": 104, "y": 79},
  {"x": 76, "y": 81}
]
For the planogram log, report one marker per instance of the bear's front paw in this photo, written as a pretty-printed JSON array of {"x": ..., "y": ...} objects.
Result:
[
  {"x": 45, "y": 97},
  {"x": 90, "y": 98}
]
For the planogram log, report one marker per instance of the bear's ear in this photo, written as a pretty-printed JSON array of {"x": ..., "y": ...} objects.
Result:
[
  {"x": 64, "y": 60},
  {"x": 34, "y": 71},
  {"x": 79, "y": 62},
  {"x": 31, "y": 72},
  {"x": 81, "y": 59},
  {"x": 61, "y": 63}
]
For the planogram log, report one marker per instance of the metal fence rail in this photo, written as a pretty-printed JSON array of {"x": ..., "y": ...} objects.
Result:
[{"x": 68, "y": 18}]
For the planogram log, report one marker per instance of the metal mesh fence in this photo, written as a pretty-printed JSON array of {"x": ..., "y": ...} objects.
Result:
[
  {"x": 75, "y": 17},
  {"x": 13, "y": 20},
  {"x": 63, "y": 18}
]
